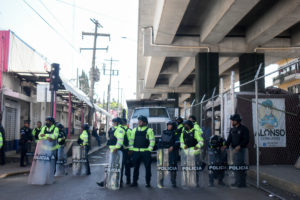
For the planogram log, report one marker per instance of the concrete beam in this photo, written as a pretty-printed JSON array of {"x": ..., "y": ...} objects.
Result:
[
  {"x": 228, "y": 64},
  {"x": 191, "y": 46},
  {"x": 186, "y": 66},
  {"x": 168, "y": 15},
  {"x": 282, "y": 16},
  {"x": 166, "y": 89},
  {"x": 222, "y": 17},
  {"x": 183, "y": 97},
  {"x": 145, "y": 95},
  {"x": 152, "y": 71}
]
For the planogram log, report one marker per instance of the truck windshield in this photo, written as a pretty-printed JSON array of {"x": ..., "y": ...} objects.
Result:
[{"x": 150, "y": 112}]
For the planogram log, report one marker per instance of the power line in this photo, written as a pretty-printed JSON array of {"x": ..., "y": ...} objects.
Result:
[
  {"x": 37, "y": 13},
  {"x": 55, "y": 18}
]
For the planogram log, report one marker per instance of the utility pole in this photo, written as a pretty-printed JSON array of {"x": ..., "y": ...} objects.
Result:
[
  {"x": 111, "y": 73},
  {"x": 94, "y": 77}
]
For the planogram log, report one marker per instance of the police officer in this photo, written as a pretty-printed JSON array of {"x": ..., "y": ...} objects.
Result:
[
  {"x": 190, "y": 137},
  {"x": 83, "y": 141},
  {"x": 141, "y": 144},
  {"x": 49, "y": 131},
  {"x": 217, "y": 158},
  {"x": 126, "y": 157},
  {"x": 180, "y": 127},
  {"x": 238, "y": 139},
  {"x": 115, "y": 141},
  {"x": 196, "y": 125},
  {"x": 60, "y": 156},
  {"x": 25, "y": 140},
  {"x": 61, "y": 139},
  {"x": 2, "y": 143},
  {"x": 170, "y": 141},
  {"x": 36, "y": 131}
]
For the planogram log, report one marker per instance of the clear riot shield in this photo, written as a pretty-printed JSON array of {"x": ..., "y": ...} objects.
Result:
[
  {"x": 79, "y": 161},
  {"x": 163, "y": 167},
  {"x": 217, "y": 167},
  {"x": 60, "y": 162},
  {"x": 113, "y": 171},
  {"x": 238, "y": 166},
  {"x": 191, "y": 168},
  {"x": 43, "y": 164}
]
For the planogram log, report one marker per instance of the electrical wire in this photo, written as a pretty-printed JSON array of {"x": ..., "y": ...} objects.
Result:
[{"x": 59, "y": 34}]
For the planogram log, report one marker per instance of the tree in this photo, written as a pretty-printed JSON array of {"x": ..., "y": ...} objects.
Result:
[{"x": 84, "y": 83}]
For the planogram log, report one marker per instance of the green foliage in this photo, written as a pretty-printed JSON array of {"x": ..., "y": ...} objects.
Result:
[{"x": 84, "y": 83}]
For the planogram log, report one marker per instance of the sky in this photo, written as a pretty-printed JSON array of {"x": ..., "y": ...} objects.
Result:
[{"x": 58, "y": 36}]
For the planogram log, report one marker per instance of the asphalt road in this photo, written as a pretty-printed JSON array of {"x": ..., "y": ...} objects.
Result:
[{"x": 85, "y": 188}]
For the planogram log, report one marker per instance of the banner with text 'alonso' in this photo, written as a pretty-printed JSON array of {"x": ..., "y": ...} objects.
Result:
[{"x": 271, "y": 119}]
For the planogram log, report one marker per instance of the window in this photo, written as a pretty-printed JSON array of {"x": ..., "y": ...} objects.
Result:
[{"x": 150, "y": 112}]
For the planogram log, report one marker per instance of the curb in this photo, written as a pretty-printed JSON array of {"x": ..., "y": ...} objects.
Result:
[
  {"x": 277, "y": 182},
  {"x": 3, "y": 176}
]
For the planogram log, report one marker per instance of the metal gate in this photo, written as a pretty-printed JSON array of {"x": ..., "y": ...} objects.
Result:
[{"x": 10, "y": 128}]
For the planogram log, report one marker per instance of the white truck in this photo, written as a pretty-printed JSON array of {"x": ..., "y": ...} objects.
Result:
[{"x": 158, "y": 118}]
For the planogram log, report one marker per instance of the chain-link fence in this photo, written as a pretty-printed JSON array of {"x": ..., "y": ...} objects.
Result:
[{"x": 272, "y": 112}]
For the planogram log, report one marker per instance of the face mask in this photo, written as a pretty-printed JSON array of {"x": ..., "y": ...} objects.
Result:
[{"x": 48, "y": 124}]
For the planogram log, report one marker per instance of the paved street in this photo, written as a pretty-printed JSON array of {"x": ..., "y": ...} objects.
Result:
[{"x": 85, "y": 188}]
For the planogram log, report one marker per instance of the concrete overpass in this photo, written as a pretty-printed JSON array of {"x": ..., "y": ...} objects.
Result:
[{"x": 185, "y": 46}]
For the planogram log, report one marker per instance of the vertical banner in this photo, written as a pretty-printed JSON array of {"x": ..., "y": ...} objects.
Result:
[{"x": 271, "y": 119}]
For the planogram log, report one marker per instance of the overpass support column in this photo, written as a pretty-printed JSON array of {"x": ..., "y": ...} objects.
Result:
[
  {"x": 248, "y": 66},
  {"x": 207, "y": 77}
]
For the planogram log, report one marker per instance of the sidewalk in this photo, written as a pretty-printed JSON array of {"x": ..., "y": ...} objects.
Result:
[
  {"x": 13, "y": 168},
  {"x": 284, "y": 177}
]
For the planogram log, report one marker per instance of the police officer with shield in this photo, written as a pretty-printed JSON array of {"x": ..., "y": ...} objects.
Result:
[
  {"x": 191, "y": 142},
  {"x": 115, "y": 143},
  {"x": 217, "y": 160},
  {"x": 238, "y": 139},
  {"x": 169, "y": 141},
  {"x": 60, "y": 155},
  {"x": 141, "y": 143},
  {"x": 83, "y": 141}
]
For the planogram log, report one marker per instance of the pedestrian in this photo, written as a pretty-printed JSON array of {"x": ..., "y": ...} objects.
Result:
[
  {"x": 25, "y": 141},
  {"x": 36, "y": 131},
  {"x": 2, "y": 144},
  {"x": 83, "y": 141},
  {"x": 141, "y": 144},
  {"x": 169, "y": 142},
  {"x": 126, "y": 164},
  {"x": 95, "y": 134},
  {"x": 238, "y": 139},
  {"x": 115, "y": 142}
]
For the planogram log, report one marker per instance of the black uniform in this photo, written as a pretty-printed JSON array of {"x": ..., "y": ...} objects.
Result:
[
  {"x": 169, "y": 138},
  {"x": 2, "y": 150},
  {"x": 239, "y": 136},
  {"x": 26, "y": 136}
]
